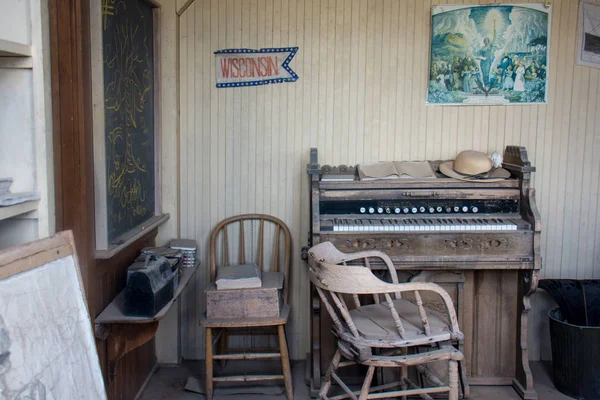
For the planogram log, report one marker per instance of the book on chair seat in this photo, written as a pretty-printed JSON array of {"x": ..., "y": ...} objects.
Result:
[{"x": 243, "y": 276}]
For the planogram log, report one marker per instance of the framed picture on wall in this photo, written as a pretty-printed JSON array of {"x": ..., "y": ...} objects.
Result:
[
  {"x": 124, "y": 98},
  {"x": 588, "y": 45},
  {"x": 491, "y": 54}
]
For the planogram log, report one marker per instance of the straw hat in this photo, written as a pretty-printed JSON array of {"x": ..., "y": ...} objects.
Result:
[{"x": 473, "y": 166}]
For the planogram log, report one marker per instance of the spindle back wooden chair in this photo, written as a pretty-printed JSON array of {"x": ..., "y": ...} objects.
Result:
[
  {"x": 397, "y": 330},
  {"x": 255, "y": 237}
]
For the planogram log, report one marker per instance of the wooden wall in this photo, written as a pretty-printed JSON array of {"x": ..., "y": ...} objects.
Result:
[{"x": 361, "y": 97}]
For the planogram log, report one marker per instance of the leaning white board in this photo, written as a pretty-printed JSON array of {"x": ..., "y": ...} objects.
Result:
[{"x": 47, "y": 348}]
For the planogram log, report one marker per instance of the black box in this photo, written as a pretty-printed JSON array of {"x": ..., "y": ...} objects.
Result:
[{"x": 150, "y": 286}]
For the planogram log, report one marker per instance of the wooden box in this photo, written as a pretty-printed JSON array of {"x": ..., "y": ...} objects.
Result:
[{"x": 263, "y": 302}]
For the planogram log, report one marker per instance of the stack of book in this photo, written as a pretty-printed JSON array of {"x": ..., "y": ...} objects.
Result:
[
  {"x": 341, "y": 173},
  {"x": 188, "y": 247},
  {"x": 395, "y": 170},
  {"x": 243, "y": 276}
]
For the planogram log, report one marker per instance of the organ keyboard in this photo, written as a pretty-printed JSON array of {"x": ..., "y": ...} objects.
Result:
[
  {"x": 478, "y": 240},
  {"x": 419, "y": 224}
]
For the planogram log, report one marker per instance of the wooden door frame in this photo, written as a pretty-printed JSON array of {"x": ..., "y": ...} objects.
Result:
[{"x": 72, "y": 127}]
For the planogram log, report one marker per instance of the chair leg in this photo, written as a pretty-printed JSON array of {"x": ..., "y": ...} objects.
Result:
[
  {"x": 209, "y": 364},
  {"x": 462, "y": 367},
  {"x": 333, "y": 366},
  {"x": 223, "y": 346},
  {"x": 453, "y": 379},
  {"x": 404, "y": 375},
  {"x": 364, "y": 391},
  {"x": 285, "y": 362}
]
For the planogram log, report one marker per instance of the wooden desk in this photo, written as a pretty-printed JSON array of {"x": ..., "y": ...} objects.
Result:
[{"x": 124, "y": 333}]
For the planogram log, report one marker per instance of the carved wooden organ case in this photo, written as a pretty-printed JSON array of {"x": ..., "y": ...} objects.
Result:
[{"x": 478, "y": 240}]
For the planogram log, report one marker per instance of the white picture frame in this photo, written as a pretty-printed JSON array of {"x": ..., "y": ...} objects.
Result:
[{"x": 588, "y": 37}]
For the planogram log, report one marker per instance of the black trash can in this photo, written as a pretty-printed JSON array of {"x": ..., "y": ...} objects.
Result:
[
  {"x": 575, "y": 357},
  {"x": 575, "y": 336}
]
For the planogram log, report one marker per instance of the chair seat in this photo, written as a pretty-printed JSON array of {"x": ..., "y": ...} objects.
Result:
[
  {"x": 374, "y": 324},
  {"x": 247, "y": 322}
]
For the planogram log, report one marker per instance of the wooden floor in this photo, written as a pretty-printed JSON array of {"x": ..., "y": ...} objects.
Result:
[{"x": 169, "y": 383}]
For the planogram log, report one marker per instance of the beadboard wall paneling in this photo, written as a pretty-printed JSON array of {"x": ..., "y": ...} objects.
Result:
[{"x": 361, "y": 97}]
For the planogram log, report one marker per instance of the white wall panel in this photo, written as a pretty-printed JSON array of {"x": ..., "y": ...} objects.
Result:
[
  {"x": 361, "y": 97},
  {"x": 15, "y": 20}
]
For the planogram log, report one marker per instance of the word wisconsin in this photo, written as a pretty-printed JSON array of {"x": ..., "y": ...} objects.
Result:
[{"x": 247, "y": 67}]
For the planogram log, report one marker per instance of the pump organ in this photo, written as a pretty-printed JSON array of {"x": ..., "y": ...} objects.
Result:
[{"x": 479, "y": 240}]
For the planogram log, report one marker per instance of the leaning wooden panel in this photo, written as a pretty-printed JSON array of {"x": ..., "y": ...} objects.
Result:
[{"x": 46, "y": 340}]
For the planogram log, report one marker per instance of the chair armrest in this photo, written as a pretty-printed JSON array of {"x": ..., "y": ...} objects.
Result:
[
  {"x": 374, "y": 254},
  {"x": 351, "y": 279},
  {"x": 428, "y": 287}
]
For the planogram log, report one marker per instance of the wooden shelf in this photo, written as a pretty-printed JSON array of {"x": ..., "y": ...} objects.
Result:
[
  {"x": 113, "y": 313},
  {"x": 18, "y": 209},
  {"x": 13, "y": 49},
  {"x": 125, "y": 333}
]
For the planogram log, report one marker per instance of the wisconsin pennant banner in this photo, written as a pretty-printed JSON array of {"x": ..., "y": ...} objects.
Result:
[{"x": 247, "y": 67}]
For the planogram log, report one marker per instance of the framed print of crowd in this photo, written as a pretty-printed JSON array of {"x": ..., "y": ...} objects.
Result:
[{"x": 492, "y": 54}]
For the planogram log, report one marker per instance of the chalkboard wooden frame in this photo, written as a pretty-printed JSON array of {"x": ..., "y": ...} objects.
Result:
[{"x": 106, "y": 248}]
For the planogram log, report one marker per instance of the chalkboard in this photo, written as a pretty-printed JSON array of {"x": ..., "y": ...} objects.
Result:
[{"x": 128, "y": 70}]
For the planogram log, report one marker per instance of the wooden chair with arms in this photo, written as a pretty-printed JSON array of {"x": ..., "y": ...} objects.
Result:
[
  {"x": 389, "y": 333},
  {"x": 251, "y": 239}
]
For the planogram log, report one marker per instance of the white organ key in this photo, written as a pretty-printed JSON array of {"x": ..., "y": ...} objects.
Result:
[
  {"x": 401, "y": 226},
  {"x": 429, "y": 225},
  {"x": 502, "y": 226},
  {"x": 385, "y": 226}
]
